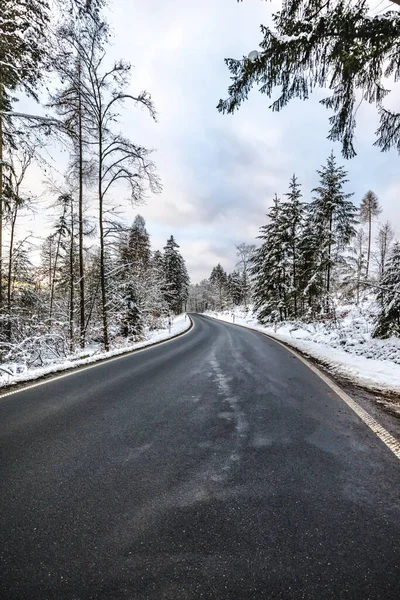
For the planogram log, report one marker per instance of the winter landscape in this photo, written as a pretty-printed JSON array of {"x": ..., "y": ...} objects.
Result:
[{"x": 176, "y": 180}]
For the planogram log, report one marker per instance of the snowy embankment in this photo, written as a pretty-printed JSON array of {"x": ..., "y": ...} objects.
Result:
[
  {"x": 90, "y": 355},
  {"x": 346, "y": 350}
]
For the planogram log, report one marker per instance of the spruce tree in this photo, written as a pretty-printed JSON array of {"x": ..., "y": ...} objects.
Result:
[
  {"x": 333, "y": 45},
  {"x": 270, "y": 268},
  {"x": 136, "y": 252},
  {"x": 292, "y": 212},
  {"x": 176, "y": 276},
  {"x": 235, "y": 288},
  {"x": 333, "y": 217},
  {"x": 219, "y": 280},
  {"x": 388, "y": 321}
]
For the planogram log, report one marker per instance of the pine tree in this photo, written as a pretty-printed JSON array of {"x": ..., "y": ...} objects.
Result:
[
  {"x": 292, "y": 212},
  {"x": 269, "y": 268},
  {"x": 235, "y": 288},
  {"x": 311, "y": 275},
  {"x": 219, "y": 279},
  {"x": 388, "y": 321},
  {"x": 333, "y": 217},
  {"x": 176, "y": 276},
  {"x": 136, "y": 251},
  {"x": 336, "y": 45},
  {"x": 369, "y": 208}
]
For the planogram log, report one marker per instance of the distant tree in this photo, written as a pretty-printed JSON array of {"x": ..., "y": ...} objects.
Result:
[
  {"x": 354, "y": 266},
  {"x": 136, "y": 250},
  {"x": 369, "y": 209},
  {"x": 388, "y": 321},
  {"x": 219, "y": 279},
  {"x": 326, "y": 44},
  {"x": 235, "y": 288},
  {"x": 384, "y": 239},
  {"x": 244, "y": 252}
]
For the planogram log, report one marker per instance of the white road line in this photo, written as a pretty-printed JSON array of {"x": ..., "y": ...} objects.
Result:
[
  {"x": 381, "y": 432},
  {"x": 100, "y": 363}
]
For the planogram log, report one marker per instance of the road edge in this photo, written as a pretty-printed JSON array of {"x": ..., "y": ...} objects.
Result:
[
  {"x": 15, "y": 388},
  {"x": 379, "y": 430}
]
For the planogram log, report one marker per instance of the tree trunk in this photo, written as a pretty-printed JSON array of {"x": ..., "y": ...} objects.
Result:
[
  {"x": 369, "y": 242},
  {"x": 53, "y": 281},
  {"x": 9, "y": 277},
  {"x": 1, "y": 211},
  {"x": 328, "y": 272},
  {"x": 71, "y": 282},
  {"x": 80, "y": 218},
  {"x": 102, "y": 253}
]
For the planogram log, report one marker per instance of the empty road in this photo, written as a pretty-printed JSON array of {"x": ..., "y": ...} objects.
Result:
[{"x": 215, "y": 466}]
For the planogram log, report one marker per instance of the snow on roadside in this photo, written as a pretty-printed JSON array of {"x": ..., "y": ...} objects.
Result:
[
  {"x": 180, "y": 324},
  {"x": 370, "y": 363}
]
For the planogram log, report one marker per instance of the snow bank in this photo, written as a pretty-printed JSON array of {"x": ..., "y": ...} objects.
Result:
[
  {"x": 92, "y": 354},
  {"x": 346, "y": 349}
]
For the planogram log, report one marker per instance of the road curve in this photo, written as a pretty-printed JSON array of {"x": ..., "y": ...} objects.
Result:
[{"x": 214, "y": 466}]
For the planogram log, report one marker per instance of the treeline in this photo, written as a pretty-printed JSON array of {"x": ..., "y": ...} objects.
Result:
[
  {"x": 97, "y": 279},
  {"x": 222, "y": 290},
  {"x": 314, "y": 253}
]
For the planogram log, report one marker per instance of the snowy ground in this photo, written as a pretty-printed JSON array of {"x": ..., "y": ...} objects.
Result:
[
  {"x": 91, "y": 354},
  {"x": 345, "y": 348}
]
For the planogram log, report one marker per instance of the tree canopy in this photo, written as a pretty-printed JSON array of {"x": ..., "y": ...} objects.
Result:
[{"x": 333, "y": 44}]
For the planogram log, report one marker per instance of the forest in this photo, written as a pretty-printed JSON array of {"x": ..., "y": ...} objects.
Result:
[
  {"x": 317, "y": 251},
  {"x": 94, "y": 281}
]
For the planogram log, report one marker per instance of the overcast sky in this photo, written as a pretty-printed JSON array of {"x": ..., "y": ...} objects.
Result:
[{"x": 219, "y": 173}]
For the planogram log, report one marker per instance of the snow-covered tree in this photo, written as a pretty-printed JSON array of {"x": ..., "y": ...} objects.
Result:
[
  {"x": 383, "y": 240},
  {"x": 388, "y": 321},
  {"x": 244, "y": 252},
  {"x": 369, "y": 209},
  {"x": 23, "y": 50},
  {"x": 136, "y": 249},
  {"x": 333, "y": 218},
  {"x": 176, "y": 276},
  {"x": 234, "y": 287},
  {"x": 332, "y": 45},
  {"x": 354, "y": 266},
  {"x": 219, "y": 279},
  {"x": 269, "y": 267},
  {"x": 292, "y": 214}
]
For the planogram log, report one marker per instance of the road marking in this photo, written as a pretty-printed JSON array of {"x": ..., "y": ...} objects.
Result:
[
  {"x": 99, "y": 363},
  {"x": 381, "y": 432}
]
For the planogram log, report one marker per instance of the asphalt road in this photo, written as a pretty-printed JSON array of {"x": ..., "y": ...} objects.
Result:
[{"x": 214, "y": 466}]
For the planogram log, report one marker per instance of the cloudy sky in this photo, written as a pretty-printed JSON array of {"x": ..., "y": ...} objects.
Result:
[{"x": 220, "y": 173}]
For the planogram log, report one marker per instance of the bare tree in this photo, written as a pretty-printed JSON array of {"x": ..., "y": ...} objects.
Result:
[
  {"x": 383, "y": 240},
  {"x": 15, "y": 202},
  {"x": 244, "y": 252},
  {"x": 369, "y": 209},
  {"x": 118, "y": 159}
]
